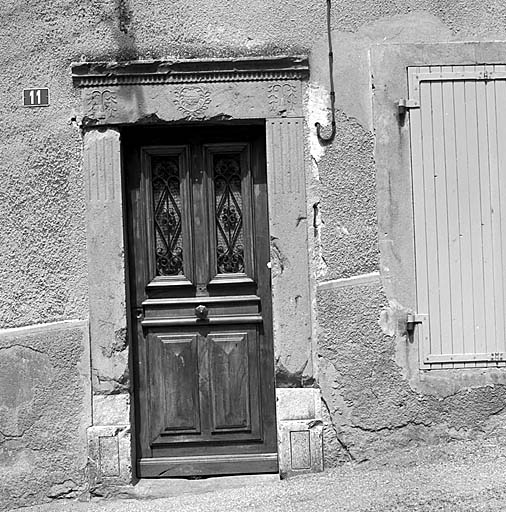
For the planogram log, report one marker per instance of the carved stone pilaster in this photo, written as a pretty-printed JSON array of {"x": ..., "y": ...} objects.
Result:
[
  {"x": 106, "y": 265},
  {"x": 288, "y": 229},
  {"x": 109, "y": 437}
]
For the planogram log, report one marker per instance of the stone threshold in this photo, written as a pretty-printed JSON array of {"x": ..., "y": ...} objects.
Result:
[{"x": 154, "y": 488}]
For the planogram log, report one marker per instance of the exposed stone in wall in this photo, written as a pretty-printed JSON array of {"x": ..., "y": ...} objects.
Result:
[
  {"x": 301, "y": 378},
  {"x": 44, "y": 413},
  {"x": 109, "y": 459},
  {"x": 288, "y": 225},
  {"x": 367, "y": 394},
  {"x": 348, "y": 202}
]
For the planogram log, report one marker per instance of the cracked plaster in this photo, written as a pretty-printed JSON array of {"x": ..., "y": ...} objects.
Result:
[
  {"x": 369, "y": 397},
  {"x": 44, "y": 411}
]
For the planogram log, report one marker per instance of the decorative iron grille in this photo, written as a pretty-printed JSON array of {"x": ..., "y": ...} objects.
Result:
[
  {"x": 167, "y": 216},
  {"x": 229, "y": 216}
]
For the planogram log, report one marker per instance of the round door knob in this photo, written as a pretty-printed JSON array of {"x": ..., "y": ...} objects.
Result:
[{"x": 201, "y": 311}]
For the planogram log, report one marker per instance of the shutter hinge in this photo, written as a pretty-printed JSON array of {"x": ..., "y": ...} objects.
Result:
[
  {"x": 412, "y": 319},
  {"x": 486, "y": 75},
  {"x": 403, "y": 105}
]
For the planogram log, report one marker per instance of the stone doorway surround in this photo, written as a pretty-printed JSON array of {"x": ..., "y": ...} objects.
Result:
[{"x": 242, "y": 90}]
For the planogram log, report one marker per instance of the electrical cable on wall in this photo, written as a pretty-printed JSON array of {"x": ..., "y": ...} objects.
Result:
[{"x": 332, "y": 134}]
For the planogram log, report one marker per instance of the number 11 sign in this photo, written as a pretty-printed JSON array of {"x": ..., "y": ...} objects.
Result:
[{"x": 36, "y": 97}]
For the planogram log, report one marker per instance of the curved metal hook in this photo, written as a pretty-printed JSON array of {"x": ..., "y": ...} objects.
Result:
[{"x": 330, "y": 137}]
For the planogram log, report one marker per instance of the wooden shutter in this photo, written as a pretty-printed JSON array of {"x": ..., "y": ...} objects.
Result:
[{"x": 458, "y": 143}]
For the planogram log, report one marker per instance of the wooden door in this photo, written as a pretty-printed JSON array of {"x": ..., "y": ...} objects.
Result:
[{"x": 201, "y": 301}]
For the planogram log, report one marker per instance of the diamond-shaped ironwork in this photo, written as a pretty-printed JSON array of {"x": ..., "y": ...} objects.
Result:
[
  {"x": 229, "y": 222},
  {"x": 167, "y": 216}
]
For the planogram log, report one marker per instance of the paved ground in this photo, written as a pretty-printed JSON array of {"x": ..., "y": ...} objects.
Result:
[{"x": 453, "y": 477}]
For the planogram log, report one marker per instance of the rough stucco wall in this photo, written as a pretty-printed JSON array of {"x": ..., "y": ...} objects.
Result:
[
  {"x": 186, "y": 28},
  {"x": 42, "y": 262},
  {"x": 44, "y": 372},
  {"x": 44, "y": 412},
  {"x": 467, "y": 19},
  {"x": 348, "y": 202}
]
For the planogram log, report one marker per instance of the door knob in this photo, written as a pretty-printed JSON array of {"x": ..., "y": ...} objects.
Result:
[{"x": 201, "y": 311}]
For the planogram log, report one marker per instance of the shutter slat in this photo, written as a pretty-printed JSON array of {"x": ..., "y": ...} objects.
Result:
[
  {"x": 501, "y": 162},
  {"x": 458, "y": 94},
  {"x": 476, "y": 241},
  {"x": 453, "y": 215},
  {"x": 441, "y": 255},
  {"x": 495, "y": 217},
  {"x": 430, "y": 214},
  {"x": 464, "y": 220},
  {"x": 485, "y": 342}
]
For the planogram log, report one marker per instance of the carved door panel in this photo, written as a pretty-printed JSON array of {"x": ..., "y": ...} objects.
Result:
[{"x": 200, "y": 299}]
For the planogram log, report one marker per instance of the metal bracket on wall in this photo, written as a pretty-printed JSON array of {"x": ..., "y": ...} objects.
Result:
[
  {"x": 403, "y": 105},
  {"x": 412, "y": 319}
]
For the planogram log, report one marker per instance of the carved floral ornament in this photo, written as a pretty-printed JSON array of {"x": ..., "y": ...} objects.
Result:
[
  {"x": 101, "y": 105},
  {"x": 282, "y": 97},
  {"x": 192, "y": 101}
]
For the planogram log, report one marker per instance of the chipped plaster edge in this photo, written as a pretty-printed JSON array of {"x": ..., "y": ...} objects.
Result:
[
  {"x": 43, "y": 327},
  {"x": 371, "y": 277}
]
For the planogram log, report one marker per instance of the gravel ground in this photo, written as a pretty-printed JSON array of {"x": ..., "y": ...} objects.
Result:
[{"x": 458, "y": 476}]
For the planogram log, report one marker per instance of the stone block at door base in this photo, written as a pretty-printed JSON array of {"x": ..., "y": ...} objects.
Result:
[
  {"x": 300, "y": 430},
  {"x": 300, "y": 445},
  {"x": 109, "y": 455}
]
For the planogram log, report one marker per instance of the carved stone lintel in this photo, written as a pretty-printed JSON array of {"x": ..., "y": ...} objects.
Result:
[{"x": 271, "y": 90}]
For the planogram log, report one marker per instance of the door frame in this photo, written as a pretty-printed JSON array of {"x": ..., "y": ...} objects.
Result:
[{"x": 245, "y": 90}]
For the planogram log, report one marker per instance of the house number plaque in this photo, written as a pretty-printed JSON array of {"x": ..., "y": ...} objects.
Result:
[{"x": 36, "y": 97}]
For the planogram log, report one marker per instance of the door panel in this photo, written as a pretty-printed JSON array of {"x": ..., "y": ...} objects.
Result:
[
  {"x": 173, "y": 368},
  {"x": 233, "y": 363},
  {"x": 200, "y": 298},
  {"x": 229, "y": 378}
]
